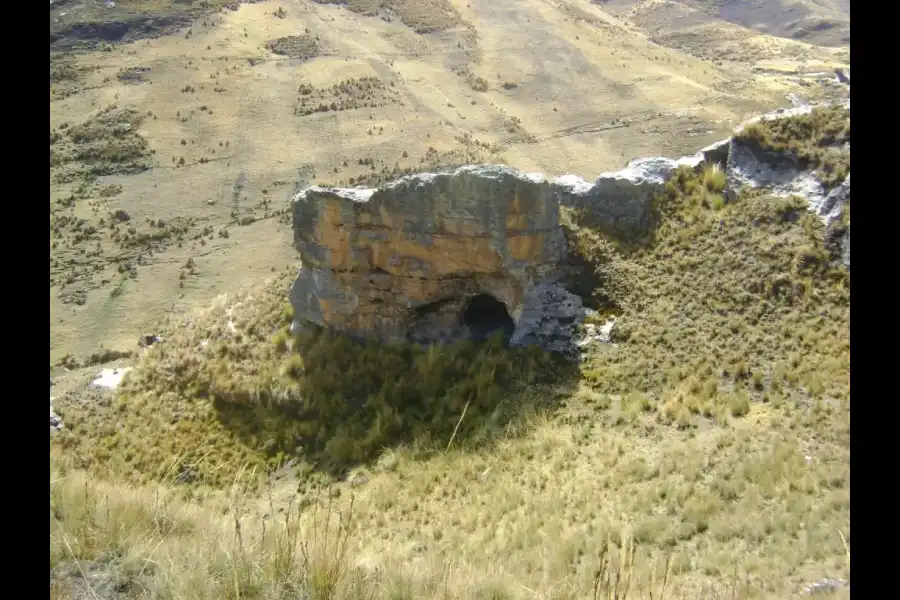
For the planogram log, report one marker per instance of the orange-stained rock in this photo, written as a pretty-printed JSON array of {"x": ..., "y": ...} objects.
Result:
[{"x": 403, "y": 261}]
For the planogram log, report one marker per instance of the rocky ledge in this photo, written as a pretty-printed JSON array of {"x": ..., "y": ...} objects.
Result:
[{"x": 436, "y": 257}]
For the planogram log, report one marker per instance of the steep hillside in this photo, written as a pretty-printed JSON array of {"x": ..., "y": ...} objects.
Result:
[
  {"x": 714, "y": 424},
  {"x": 698, "y": 447}
]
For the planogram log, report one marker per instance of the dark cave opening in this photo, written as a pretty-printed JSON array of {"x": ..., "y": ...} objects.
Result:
[{"x": 484, "y": 316}]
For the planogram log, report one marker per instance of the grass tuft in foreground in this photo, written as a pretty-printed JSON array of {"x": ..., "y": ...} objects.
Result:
[{"x": 112, "y": 540}]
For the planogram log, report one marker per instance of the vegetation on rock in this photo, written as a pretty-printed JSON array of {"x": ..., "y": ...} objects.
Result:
[{"x": 815, "y": 139}]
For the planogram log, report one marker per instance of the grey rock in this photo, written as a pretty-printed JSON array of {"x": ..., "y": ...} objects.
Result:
[
  {"x": 830, "y": 207},
  {"x": 594, "y": 334},
  {"x": 716, "y": 153},
  {"x": 550, "y": 319},
  {"x": 56, "y": 423},
  {"x": 620, "y": 202},
  {"x": 778, "y": 173},
  {"x": 825, "y": 586}
]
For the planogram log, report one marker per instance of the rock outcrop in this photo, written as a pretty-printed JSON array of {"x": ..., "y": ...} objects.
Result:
[
  {"x": 442, "y": 256},
  {"x": 429, "y": 257},
  {"x": 437, "y": 257},
  {"x": 782, "y": 175}
]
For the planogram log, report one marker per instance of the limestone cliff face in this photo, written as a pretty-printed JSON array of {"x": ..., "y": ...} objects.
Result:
[{"x": 405, "y": 260}]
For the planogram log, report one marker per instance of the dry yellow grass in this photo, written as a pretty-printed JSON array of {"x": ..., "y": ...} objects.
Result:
[{"x": 160, "y": 542}]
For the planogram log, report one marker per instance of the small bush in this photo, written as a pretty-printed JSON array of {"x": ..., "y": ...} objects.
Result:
[{"x": 739, "y": 404}]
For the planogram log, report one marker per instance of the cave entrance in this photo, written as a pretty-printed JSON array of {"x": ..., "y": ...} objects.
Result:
[{"x": 484, "y": 316}]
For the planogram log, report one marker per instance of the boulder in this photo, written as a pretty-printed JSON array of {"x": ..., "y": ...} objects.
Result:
[{"x": 429, "y": 257}]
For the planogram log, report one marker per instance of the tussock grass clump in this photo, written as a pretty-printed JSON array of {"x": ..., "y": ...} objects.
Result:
[
  {"x": 815, "y": 139},
  {"x": 108, "y": 539},
  {"x": 112, "y": 539}
]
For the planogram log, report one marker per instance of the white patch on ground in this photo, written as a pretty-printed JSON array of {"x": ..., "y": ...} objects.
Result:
[
  {"x": 796, "y": 101},
  {"x": 594, "y": 334},
  {"x": 55, "y": 422},
  {"x": 110, "y": 378},
  {"x": 573, "y": 183}
]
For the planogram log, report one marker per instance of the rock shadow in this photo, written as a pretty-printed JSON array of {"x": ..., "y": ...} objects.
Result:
[{"x": 340, "y": 401}]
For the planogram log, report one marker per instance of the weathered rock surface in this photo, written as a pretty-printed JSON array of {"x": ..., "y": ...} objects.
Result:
[
  {"x": 441, "y": 256},
  {"x": 550, "y": 317},
  {"x": 55, "y": 422},
  {"x": 829, "y": 209},
  {"x": 620, "y": 201},
  {"x": 750, "y": 166},
  {"x": 782, "y": 175},
  {"x": 405, "y": 261}
]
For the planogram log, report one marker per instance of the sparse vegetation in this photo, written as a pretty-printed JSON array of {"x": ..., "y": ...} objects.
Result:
[
  {"x": 422, "y": 16},
  {"x": 105, "y": 144},
  {"x": 478, "y": 84},
  {"x": 295, "y": 46},
  {"x": 350, "y": 94}
]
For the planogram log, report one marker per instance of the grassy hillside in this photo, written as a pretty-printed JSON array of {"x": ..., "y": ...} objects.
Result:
[
  {"x": 712, "y": 435},
  {"x": 703, "y": 453}
]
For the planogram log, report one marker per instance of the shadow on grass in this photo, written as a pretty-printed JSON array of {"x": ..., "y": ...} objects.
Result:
[{"x": 339, "y": 403}]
